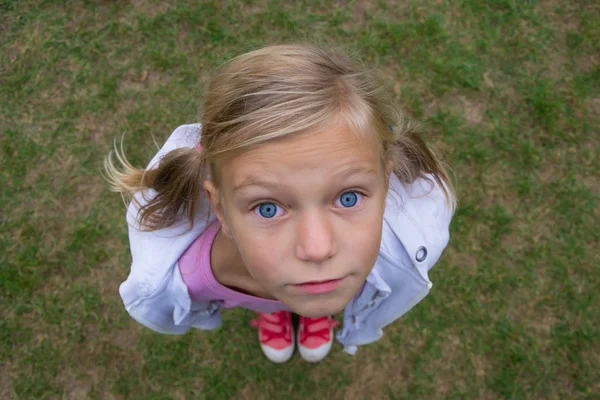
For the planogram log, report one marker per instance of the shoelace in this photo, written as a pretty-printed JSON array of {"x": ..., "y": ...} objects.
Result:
[
  {"x": 274, "y": 326},
  {"x": 325, "y": 325}
]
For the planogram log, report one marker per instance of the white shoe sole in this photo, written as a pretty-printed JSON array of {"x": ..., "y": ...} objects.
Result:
[
  {"x": 278, "y": 356},
  {"x": 314, "y": 355}
]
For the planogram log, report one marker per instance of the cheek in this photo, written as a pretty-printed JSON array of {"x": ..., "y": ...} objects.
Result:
[
  {"x": 369, "y": 244},
  {"x": 363, "y": 239},
  {"x": 253, "y": 250},
  {"x": 262, "y": 257}
]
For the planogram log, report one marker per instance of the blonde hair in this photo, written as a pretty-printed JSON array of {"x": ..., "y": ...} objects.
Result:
[{"x": 270, "y": 93}]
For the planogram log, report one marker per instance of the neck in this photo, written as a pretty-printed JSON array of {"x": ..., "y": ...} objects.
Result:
[{"x": 229, "y": 269}]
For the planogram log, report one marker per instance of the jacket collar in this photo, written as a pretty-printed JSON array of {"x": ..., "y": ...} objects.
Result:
[{"x": 401, "y": 216}]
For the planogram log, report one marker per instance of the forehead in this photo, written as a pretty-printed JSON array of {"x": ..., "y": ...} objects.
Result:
[{"x": 324, "y": 150}]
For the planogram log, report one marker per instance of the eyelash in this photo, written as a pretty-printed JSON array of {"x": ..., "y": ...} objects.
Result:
[{"x": 361, "y": 196}]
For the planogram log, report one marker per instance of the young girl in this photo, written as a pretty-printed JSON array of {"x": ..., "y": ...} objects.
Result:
[{"x": 300, "y": 191}]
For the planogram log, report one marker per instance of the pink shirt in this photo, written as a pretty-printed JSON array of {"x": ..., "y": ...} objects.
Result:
[{"x": 194, "y": 265}]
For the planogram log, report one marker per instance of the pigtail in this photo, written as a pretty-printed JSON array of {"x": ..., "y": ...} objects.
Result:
[
  {"x": 176, "y": 181},
  {"x": 414, "y": 159}
]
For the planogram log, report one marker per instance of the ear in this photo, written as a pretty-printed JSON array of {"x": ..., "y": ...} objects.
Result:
[{"x": 212, "y": 193}]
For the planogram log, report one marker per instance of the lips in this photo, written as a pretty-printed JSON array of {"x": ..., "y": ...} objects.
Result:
[{"x": 319, "y": 287}]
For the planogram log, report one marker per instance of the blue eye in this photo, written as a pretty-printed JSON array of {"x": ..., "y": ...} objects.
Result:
[
  {"x": 349, "y": 199},
  {"x": 267, "y": 210}
]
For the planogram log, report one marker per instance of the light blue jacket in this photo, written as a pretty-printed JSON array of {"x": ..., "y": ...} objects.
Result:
[{"x": 415, "y": 232}]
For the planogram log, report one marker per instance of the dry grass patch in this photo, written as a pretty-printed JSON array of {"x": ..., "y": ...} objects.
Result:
[
  {"x": 74, "y": 388},
  {"x": 98, "y": 128},
  {"x": 382, "y": 368},
  {"x": 465, "y": 261},
  {"x": 251, "y": 392},
  {"x": 134, "y": 81},
  {"x": 108, "y": 276},
  {"x": 150, "y": 8},
  {"x": 6, "y": 389},
  {"x": 473, "y": 110},
  {"x": 362, "y": 11},
  {"x": 497, "y": 187},
  {"x": 526, "y": 306},
  {"x": 369, "y": 377},
  {"x": 50, "y": 211},
  {"x": 592, "y": 182},
  {"x": 450, "y": 370},
  {"x": 593, "y": 105},
  {"x": 558, "y": 160},
  {"x": 471, "y": 107},
  {"x": 565, "y": 19},
  {"x": 361, "y": 8}
]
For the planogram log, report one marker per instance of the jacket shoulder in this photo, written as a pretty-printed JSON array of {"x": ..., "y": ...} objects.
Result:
[
  {"x": 417, "y": 217},
  {"x": 183, "y": 136},
  {"x": 155, "y": 253}
]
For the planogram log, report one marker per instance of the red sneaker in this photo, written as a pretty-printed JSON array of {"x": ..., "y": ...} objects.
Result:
[
  {"x": 315, "y": 336},
  {"x": 275, "y": 335}
]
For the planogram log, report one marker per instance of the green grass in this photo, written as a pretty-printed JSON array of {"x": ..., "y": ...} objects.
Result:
[{"x": 510, "y": 92}]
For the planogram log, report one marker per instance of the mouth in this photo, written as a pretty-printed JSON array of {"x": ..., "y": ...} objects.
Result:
[{"x": 319, "y": 287}]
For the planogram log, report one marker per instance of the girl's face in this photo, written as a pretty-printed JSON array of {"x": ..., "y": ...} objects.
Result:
[{"x": 306, "y": 213}]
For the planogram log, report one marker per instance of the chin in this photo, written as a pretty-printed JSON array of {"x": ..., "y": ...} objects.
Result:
[{"x": 318, "y": 308}]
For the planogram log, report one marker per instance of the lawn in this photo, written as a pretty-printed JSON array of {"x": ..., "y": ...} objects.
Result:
[{"x": 509, "y": 92}]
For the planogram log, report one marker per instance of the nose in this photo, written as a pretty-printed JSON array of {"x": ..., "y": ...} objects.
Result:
[{"x": 315, "y": 238}]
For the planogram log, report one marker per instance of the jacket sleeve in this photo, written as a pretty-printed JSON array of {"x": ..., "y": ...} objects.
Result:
[
  {"x": 154, "y": 293},
  {"x": 168, "y": 309}
]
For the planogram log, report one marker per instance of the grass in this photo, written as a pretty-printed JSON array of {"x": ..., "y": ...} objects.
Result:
[{"x": 510, "y": 93}]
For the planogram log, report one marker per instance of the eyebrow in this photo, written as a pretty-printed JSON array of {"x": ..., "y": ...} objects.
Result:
[
  {"x": 255, "y": 181},
  {"x": 348, "y": 171},
  {"x": 343, "y": 173}
]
